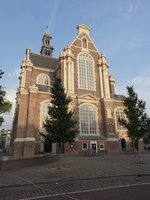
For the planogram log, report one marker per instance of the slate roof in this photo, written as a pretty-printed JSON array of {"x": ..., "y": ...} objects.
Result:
[
  {"x": 44, "y": 61},
  {"x": 118, "y": 97}
]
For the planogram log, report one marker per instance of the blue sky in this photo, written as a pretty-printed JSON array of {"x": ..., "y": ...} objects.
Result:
[{"x": 121, "y": 29}]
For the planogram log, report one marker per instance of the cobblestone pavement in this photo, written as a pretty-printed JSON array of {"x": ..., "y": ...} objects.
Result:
[{"x": 77, "y": 173}]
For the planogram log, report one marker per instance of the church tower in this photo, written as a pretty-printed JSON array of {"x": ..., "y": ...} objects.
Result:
[{"x": 47, "y": 48}]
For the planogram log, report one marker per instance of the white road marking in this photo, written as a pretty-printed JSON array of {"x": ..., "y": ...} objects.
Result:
[{"x": 84, "y": 191}]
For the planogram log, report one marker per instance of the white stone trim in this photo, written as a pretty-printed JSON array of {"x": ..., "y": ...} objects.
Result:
[
  {"x": 90, "y": 101},
  {"x": 112, "y": 100},
  {"x": 70, "y": 74},
  {"x": 112, "y": 139},
  {"x": 43, "y": 69},
  {"x": 105, "y": 75},
  {"x": 109, "y": 112},
  {"x": 90, "y": 40},
  {"x": 23, "y": 91},
  {"x": 41, "y": 92},
  {"x": 101, "y": 82},
  {"x": 77, "y": 37},
  {"x": 94, "y": 46},
  {"x": 29, "y": 139},
  {"x": 19, "y": 140},
  {"x": 76, "y": 46},
  {"x": 23, "y": 77},
  {"x": 81, "y": 48}
]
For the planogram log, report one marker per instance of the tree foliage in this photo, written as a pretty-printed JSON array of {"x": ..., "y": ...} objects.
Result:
[
  {"x": 5, "y": 106},
  {"x": 60, "y": 124},
  {"x": 146, "y": 138},
  {"x": 136, "y": 122}
]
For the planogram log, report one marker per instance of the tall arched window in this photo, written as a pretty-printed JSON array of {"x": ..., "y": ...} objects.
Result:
[
  {"x": 119, "y": 115},
  {"x": 43, "y": 79},
  {"x": 44, "y": 113},
  {"x": 86, "y": 72},
  {"x": 88, "y": 119}
]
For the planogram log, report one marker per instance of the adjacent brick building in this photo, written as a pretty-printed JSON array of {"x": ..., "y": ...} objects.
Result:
[{"x": 85, "y": 75}]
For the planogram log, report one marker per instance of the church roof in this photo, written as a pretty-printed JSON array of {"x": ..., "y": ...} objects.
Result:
[
  {"x": 44, "y": 61},
  {"x": 118, "y": 97}
]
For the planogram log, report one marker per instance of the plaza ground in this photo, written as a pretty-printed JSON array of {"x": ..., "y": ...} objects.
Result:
[{"x": 78, "y": 173}]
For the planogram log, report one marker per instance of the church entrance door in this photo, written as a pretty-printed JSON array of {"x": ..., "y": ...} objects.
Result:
[{"x": 123, "y": 144}]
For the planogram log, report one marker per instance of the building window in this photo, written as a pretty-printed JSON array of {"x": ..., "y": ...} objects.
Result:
[
  {"x": 44, "y": 113},
  {"x": 101, "y": 145},
  {"x": 87, "y": 117},
  {"x": 119, "y": 115},
  {"x": 43, "y": 79},
  {"x": 84, "y": 145},
  {"x": 84, "y": 43},
  {"x": 86, "y": 72}
]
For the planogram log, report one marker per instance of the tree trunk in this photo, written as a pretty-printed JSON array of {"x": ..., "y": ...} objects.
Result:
[
  {"x": 133, "y": 143},
  {"x": 137, "y": 152},
  {"x": 59, "y": 148}
]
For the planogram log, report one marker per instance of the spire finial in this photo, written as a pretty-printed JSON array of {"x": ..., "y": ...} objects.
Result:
[{"x": 46, "y": 32}]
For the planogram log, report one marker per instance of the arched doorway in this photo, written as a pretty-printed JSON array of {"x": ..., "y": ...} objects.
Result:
[
  {"x": 123, "y": 144},
  {"x": 47, "y": 147}
]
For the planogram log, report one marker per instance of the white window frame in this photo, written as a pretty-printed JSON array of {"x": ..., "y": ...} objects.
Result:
[
  {"x": 86, "y": 78},
  {"x": 122, "y": 128},
  {"x": 45, "y": 76},
  {"x": 94, "y": 142},
  {"x": 46, "y": 102},
  {"x": 96, "y": 119}
]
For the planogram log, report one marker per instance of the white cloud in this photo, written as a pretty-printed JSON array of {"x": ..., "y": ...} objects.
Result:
[
  {"x": 54, "y": 13},
  {"x": 130, "y": 8},
  {"x": 141, "y": 80},
  {"x": 141, "y": 85},
  {"x": 14, "y": 74}
]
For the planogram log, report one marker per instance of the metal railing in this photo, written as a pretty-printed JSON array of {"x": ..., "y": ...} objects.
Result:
[{"x": 44, "y": 88}]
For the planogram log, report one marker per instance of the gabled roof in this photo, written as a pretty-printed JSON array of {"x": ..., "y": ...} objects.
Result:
[{"x": 44, "y": 61}]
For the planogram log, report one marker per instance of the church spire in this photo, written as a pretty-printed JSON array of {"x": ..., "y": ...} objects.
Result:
[
  {"x": 47, "y": 48},
  {"x": 47, "y": 32}
]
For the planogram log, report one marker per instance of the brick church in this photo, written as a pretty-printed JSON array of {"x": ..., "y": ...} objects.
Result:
[{"x": 85, "y": 76}]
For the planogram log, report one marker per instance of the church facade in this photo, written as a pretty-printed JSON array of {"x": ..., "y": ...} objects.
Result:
[{"x": 85, "y": 76}]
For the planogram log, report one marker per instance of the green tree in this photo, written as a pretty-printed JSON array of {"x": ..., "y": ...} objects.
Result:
[
  {"x": 60, "y": 124},
  {"x": 136, "y": 122},
  {"x": 146, "y": 138},
  {"x": 5, "y": 106}
]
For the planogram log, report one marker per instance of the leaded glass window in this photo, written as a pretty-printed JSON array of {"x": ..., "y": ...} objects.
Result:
[
  {"x": 88, "y": 122},
  {"x": 43, "y": 79},
  {"x": 44, "y": 113},
  {"x": 119, "y": 115},
  {"x": 86, "y": 75}
]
